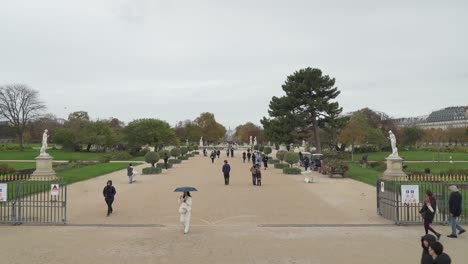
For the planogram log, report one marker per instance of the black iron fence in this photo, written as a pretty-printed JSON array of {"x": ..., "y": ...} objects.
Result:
[
  {"x": 31, "y": 200},
  {"x": 400, "y": 200}
]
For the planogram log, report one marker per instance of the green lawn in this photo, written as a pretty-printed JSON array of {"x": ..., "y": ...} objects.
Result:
[
  {"x": 20, "y": 165},
  {"x": 366, "y": 175},
  {"x": 91, "y": 171},
  {"x": 416, "y": 156},
  {"x": 436, "y": 167},
  {"x": 30, "y": 154}
]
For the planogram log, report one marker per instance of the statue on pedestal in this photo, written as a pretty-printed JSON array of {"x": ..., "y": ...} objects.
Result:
[
  {"x": 255, "y": 141},
  {"x": 201, "y": 141},
  {"x": 45, "y": 136},
  {"x": 250, "y": 143},
  {"x": 303, "y": 143}
]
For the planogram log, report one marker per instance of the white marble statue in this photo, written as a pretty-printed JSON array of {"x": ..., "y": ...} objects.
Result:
[
  {"x": 393, "y": 143},
  {"x": 250, "y": 143},
  {"x": 201, "y": 142},
  {"x": 255, "y": 141},
  {"x": 44, "y": 142}
]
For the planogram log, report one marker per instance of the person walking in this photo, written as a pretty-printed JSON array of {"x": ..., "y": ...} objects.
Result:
[
  {"x": 436, "y": 250},
  {"x": 428, "y": 212},
  {"x": 426, "y": 240},
  {"x": 258, "y": 175},
  {"x": 213, "y": 156},
  {"x": 306, "y": 163},
  {"x": 232, "y": 152},
  {"x": 204, "y": 152},
  {"x": 185, "y": 210},
  {"x": 253, "y": 171},
  {"x": 226, "y": 169},
  {"x": 109, "y": 194},
  {"x": 259, "y": 160},
  {"x": 455, "y": 204},
  {"x": 249, "y": 155},
  {"x": 166, "y": 158},
  {"x": 130, "y": 173},
  {"x": 227, "y": 153},
  {"x": 243, "y": 156},
  {"x": 265, "y": 161},
  {"x": 253, "y": 158},
  {"x": 218, "y": 152}
]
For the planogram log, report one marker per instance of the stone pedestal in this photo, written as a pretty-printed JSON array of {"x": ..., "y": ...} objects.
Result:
[
  {"x": 394, "y": 168},
  {"x": 44, "y": 169},
  {"x": 283, "y": 147}
]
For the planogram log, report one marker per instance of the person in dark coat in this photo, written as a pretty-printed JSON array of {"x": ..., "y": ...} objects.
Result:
[
  {"x": 227, "y": 153},
  {"x": 218, "y": 153},
  {"x": 254, "y": 171},
  {"x": 204, "y": 152},
  {"x": 243, "y": 156},
  {"x": 301, "y": 159},
  {"x": 436, "y": 250},
  {"x": 226, "y": 169},
  {"x": 166, "y": 158},
  {"x": 254, "y": 158},
  {"x": 109, "y": 194},
  {"x": 213, "y": 156},
  {"x": 428, "y": 212},
  {"x": 306, "y": 162},
  {"x": 232, "y": 152},
  {"x": 249, "y": 155},
  {"x": 265, "y": 161},
  {"x": 455, "y": 208},
  {"x": 426, "y": 240}
]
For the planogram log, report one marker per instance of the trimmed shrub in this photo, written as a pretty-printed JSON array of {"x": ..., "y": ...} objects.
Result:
[
  {"x": 152, "y": 170},
  {"x": 121, "y": 155},
  {"x": 280, "y": 155},
  {"x": 161, "y": 165},
  {"x": 195, "y": 153},
  {"x": 104, "y": 158},
  {"x": 175, "y": 152},
  {"x": 256, "y": 147},
  {"x": 183, "y": 158},
  {"x": 273, "y": 161},
  {"x": 152, "y": 158},
  {"x": 161, "y": 153},
  {"x": 281, "y": 166},
  {"x": 294, "y": 171},
  {"x": 261, "y": 147},
  {"x": 174, "y": 161},
  {"x": 183, "y": 150},
  {"x": 267, "y": 150},
  {"x": 291, "y": 157}
]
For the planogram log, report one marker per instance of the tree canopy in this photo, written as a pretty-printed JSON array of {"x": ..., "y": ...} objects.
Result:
[
  {"x": 153, "y": 132},
  {"x": 247, "y": 130},
  {"x": 212, "y": 131}
]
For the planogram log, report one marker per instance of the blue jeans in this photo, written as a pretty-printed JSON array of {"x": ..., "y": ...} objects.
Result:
[{"x": 455, "y": 226}]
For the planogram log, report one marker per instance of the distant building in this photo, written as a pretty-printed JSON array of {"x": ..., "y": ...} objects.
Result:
[{"x": 455, "y": 116}]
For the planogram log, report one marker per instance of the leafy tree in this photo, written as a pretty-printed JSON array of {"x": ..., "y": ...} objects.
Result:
[
  {"x": 188, "y": 130},
  {"x": 19, "y": 105},
  {"x": 152, "y": 157},
  {"x": 98, "y": 133},
  {"x": 153, "y": 132},
  {"x": 247, "y": 130},
  {"x": 175, "y": 152},
  {"x": 376, "y": 137},
  {"x": 306, "y": 105},
  {"x": 267, "y": 150},
  {"x": 280, "y": 129},
  {"x": 79, "y": 115},
  {"x": 457, "y": 135},
  {"x": 212, "y": 131},
  {"x": 65, "y": 137},
  {"x": 412, "y": 135},
  {"x": 280, "y": 155},
  {"x": 380, "y": 120},
  {"x": 37, "y": 126},
  {"x": 183, "y": 150},
  {"x": 356, "y": 131},
  {"x": 291, "y": 158}
]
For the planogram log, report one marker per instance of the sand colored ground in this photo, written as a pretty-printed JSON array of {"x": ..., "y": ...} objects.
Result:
[{"x": 283, "y": 221}]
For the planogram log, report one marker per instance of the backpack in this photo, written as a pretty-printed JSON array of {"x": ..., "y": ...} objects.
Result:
[{"x": 129, "y": 171}]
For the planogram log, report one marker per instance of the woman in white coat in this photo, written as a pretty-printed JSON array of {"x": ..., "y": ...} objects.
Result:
[{"x": 185, "y": 210}]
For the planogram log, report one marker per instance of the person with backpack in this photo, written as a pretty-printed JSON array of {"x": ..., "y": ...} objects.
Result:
[
  {"x": 455, "y": 210},
  {"x": 130, "y": 173},
  {"x": 109, "y": 194},
  {"x": 226, "y": 170}
]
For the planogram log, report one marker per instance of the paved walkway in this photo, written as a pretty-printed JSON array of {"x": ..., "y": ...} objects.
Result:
[{"x": 283, "y": 221}]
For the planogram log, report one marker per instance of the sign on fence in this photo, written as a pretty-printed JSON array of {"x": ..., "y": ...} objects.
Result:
[
  {"x": 3, "y": 192},
  {"x": 410, "y": 193},
  {"x": 382, "y": 186},
  {"x": 54, "y": 189}
]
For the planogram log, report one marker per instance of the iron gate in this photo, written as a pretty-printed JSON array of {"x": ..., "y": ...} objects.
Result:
[
  {"x": 35, "y": 201},
  {"x": 391, "y": 206}
]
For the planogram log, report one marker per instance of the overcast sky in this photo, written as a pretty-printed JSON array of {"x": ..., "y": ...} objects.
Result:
[{"x": 174, "y": 59}]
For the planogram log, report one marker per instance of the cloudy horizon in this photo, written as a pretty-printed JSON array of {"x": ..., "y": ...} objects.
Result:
[{"x": 173, "y": 60}]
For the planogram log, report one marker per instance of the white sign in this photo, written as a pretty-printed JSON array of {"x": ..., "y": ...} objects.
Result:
[
  {"x": 382, "y": 187},
  {"x": 410, "y": 193},
  {"x": 3, "y": 192},
  {"x": 54, "y": 189}
]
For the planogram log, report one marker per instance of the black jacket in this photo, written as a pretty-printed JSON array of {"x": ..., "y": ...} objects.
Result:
[
  {"x": 109, "y": 192},
  {"x": 442, "y": 259},
  {"x": 428, "y": 215},
  {"x": 425, "y": 257},
  {"x": 455, "y": 203}
]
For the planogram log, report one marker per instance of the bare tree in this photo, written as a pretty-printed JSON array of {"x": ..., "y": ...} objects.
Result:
[{"x": 19, "y": 104}]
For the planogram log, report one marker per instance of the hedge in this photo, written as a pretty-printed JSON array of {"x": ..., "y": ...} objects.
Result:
[
  {"x": 272, "y": 161},
  {"x": 195, "y": 153},
  {"x": 183, "y": 158},
  {"x": 162, "y": 166},
  {"x": 292, "y": 171},
  {"x": 281, "y": 165},
  {"x": 174, "y": 161},
  {"x": 152, "y": 170}
]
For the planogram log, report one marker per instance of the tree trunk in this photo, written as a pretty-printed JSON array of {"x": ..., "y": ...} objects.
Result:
[
  {"x": 316, "y": 133},
  {"x": 20, "y": 138}
]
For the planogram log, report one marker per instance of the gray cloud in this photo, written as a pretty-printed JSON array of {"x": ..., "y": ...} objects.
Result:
[{"x": 175, "y": 59}]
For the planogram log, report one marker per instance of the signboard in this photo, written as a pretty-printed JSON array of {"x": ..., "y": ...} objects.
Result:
[
  {"x": 3, "y": 192},
  {"x": 410, "y": 193},
  {"x": 382, "y": 187},
  {"x": 54, "y": 189}
]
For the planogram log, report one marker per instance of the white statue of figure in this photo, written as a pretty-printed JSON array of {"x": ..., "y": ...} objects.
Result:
[
  {"x": 44, "y": 142},
  {"x": 201, "y": 141},
  {"x": 303, "y": 143},
  {"x": 393, "y": 143},
  {"x": 250, "y": 143},
  {"x": 255, "y": 141}
]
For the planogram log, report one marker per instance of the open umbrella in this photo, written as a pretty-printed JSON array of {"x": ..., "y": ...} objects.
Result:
[{"x": 185, "y": 189}]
